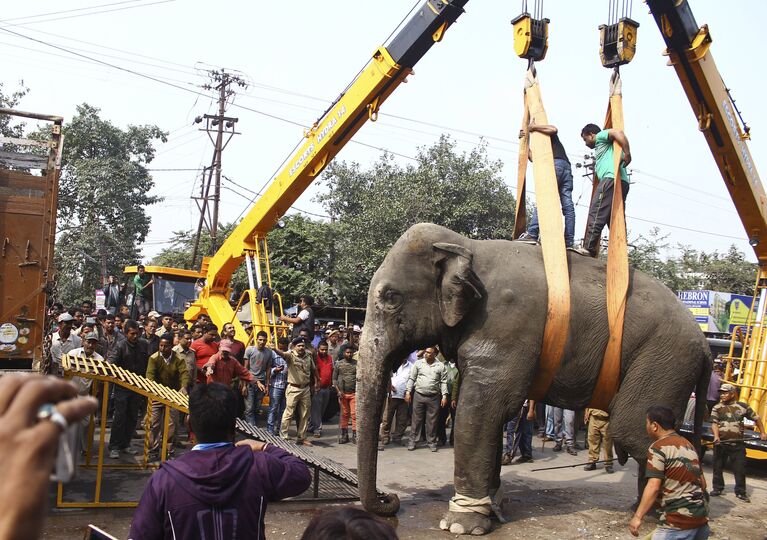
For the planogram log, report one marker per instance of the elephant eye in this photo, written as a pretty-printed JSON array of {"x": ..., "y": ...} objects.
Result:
[{"x": 392, "y": 298}]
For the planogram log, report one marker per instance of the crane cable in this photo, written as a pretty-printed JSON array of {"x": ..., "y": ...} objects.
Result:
[{"x": 554, "y": 251}]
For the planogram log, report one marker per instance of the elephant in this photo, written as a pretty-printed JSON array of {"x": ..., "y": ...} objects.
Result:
[{"x": 484, "y": 302}]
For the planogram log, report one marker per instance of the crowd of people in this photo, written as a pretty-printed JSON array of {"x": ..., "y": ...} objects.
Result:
[{"x": 226, "y": 379}]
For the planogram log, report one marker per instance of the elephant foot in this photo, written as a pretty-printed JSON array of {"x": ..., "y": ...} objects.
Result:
[{"x": 465, "y": 523}]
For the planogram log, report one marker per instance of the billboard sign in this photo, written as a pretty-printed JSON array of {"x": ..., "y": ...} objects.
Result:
[{"x": 716, "y": 311}]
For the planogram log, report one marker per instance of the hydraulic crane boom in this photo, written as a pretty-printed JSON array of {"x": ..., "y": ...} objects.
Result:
[
  {"x": 688, "y": 50},
  {"x": 389, "y": 67},
  {"x": 719, "y": 120}
]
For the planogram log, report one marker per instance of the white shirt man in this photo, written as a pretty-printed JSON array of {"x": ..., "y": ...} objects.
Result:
[{"x": 62, "y": 342}]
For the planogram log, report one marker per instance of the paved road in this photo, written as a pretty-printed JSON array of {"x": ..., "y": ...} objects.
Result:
[{"x": 563, "y": 504}]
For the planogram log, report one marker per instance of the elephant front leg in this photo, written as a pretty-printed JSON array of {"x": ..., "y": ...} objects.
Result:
[{"x": 478, "y": 449}]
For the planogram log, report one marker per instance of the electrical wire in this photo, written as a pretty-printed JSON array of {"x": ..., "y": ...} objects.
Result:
[
  {"x": 165, "y": 82},
  {"x": 96, "y": 12},
  {"x": 68, "y": 11}
]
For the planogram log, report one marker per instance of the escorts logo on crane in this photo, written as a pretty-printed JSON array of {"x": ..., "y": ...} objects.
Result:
[
  {"x": 326, "y": 130},
  {"x": 744, "y": 153}
]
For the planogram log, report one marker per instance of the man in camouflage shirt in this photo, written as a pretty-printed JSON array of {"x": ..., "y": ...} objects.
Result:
[
  {"x": 674, "y": 480},
  {"x": 727, "y": 425}
]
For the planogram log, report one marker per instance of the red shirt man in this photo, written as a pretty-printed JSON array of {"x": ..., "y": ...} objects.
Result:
[
  {"x": 223, "y": 367},
  {"x": 204, "y": 348},
  {"x": 325, "y": 367}
]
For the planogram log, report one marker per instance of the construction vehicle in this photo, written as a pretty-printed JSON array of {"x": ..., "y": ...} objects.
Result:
[
  {"x": 173, "y": 289},
  {"x": 361, "y": 101},
  {"x": 29, "y": 179},
  {"x": 688, "y": 48}
]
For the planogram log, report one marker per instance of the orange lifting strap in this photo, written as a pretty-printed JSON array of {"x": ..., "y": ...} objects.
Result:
[
  {"x": 551, "y": 234},
  {"x": 617, "y": 263}
]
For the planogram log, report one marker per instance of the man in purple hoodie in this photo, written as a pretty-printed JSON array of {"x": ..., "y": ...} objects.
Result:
[{"x": 218, "y": 490}]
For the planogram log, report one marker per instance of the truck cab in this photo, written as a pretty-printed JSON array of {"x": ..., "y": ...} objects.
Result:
[{"x": 172, "y": 290}]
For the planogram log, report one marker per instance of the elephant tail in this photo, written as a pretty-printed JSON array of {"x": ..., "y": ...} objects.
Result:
[{"x": 701, "y": 390}]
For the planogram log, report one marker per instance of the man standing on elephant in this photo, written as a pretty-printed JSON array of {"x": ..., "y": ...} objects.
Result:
[
  {"x": 601, "y": 140},
  {"x": 426, "y": 384},
  {"x": 564, "y": 183},
  {"x": 301, "y": 374}
]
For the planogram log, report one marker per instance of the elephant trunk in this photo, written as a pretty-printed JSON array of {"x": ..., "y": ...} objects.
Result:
[{"x": 373, "y": 379}]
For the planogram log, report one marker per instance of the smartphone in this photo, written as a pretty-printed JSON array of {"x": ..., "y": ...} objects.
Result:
[{"x": 66, "y": 457}]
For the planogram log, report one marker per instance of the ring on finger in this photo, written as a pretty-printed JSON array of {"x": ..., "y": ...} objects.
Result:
[{"x": 48, "y": 411}]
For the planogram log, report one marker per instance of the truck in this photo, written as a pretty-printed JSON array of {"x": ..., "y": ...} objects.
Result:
[{"x": 29, "y": 178}]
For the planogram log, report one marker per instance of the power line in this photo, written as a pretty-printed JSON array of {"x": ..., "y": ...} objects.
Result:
[
  {"x": 95, "y": 12},
  {"x": 69, "y": 10}
]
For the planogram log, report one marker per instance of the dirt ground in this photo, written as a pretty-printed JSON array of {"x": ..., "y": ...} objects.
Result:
[{"x": 561, "y": 504}]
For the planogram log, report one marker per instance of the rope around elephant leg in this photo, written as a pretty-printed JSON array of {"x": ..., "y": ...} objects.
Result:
[{"x": 463, "y": 503}]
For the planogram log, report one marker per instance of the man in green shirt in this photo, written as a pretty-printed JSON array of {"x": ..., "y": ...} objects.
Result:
[
  {"x": 601, "y": 140},
  {"x": 142, "y": 297},
  {"x": 167, "y": 368}
]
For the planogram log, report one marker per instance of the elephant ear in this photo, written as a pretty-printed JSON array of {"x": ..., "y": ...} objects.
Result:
[{"x": 458, "y": 287}]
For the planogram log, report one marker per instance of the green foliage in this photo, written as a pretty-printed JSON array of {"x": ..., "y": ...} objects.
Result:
[
  {"x": 179, "y": 254},
  {"x": 10, "y": 101},
  {"x": 302, "y": 259},
  {"x": 103, "y": 192},
  {"x": 693, "y": 269},
  {"x": 372, "y": 207}
]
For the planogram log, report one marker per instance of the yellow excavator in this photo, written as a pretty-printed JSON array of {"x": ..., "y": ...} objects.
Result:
[{"x": 389, "y": 66}]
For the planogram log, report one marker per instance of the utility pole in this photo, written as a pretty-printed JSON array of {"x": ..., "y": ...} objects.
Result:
[{"x": 222, "y": 126}]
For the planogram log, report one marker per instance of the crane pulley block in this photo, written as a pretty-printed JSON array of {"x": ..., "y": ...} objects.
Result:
[
  {"x": 618, "y": 42},
  {"x": 531, "y": 37}
]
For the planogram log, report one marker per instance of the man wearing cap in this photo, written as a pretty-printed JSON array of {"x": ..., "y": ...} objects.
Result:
[
  {"x": 302, "y": 372},
  {"x": 223, "y": 367},
  {"x": 166, "y": 325},
  {"x": 727, "y": 425},
  {"x": 63, "y": 341},
  {"x": 334, "y": 345},
  {"x": 167, "y": 368},
  {"x": 88, "y": 350}
]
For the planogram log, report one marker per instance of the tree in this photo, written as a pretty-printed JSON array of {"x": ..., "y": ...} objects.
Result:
[
  {"x": 693, "y": 269},
  {"x": 103, "y": 192},
  {"x": 299, "y": 258},
  {"x": 372, "y": 207},
  {"x": 10, "y": 101}
]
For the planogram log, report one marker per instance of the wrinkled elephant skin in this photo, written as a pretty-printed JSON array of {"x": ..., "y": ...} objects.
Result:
[{"x": 485, "y": 303}]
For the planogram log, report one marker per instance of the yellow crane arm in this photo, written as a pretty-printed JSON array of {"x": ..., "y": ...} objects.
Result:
[
  {"x": 388, "y": 67},
  {"x": 688, "y": 50}
]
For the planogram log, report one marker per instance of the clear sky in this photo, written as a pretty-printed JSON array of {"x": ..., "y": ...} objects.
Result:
[{"x": 299, "y": 55}]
